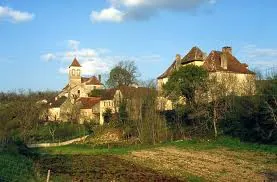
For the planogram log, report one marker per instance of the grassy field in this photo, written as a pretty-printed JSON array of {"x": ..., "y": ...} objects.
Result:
[
  {"x": 14, "y": 167},
  {"x": 225, "y": 142},
  {"x": 224, "y": 159}
]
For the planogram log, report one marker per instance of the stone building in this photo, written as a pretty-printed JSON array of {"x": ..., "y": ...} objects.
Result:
[
  {"x": 73, "y": 102},
  {"x": 221, "y": 65}
]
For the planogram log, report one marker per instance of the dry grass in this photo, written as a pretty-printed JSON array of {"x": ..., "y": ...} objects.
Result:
[{"x": 211, "y": 165}]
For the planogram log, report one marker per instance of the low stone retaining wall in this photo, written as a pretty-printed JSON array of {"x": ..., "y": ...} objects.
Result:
[{"x": 38, "y": 145}]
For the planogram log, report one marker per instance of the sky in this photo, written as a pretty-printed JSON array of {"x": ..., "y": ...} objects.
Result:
[{"x": 39, "y": 39}]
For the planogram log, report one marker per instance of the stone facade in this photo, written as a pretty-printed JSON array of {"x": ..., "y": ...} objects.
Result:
[
  {"x": 73, "y": 102},
  {"x": 223, "y": 66}
]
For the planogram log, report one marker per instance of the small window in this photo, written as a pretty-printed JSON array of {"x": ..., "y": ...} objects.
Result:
[
  {"x": 79, "y": 91},
  {"x": 73, "y": 72},
  {"x": 78, "y": 72}
]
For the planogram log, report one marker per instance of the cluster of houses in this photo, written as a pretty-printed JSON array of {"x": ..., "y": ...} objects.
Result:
[{"x": 77, "y": 101}]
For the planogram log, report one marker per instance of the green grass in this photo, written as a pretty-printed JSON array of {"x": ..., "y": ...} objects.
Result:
[
  {"x": 225, "y": 142},
  {"x": 222, "y": 142},
  {"x": 63, "y": 132},
  {"x": 14, "y": 167}
]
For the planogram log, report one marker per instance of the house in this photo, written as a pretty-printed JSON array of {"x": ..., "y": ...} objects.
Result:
[
  {"x": 74, "y": 102},
  {"x": 221, "y": 65},
  {"x": 132, "y": 96}
]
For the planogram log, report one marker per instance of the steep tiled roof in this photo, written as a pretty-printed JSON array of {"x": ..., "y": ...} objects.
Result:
[
  {"x": 135, "y": 92},
  {"x": 75, "y": 63},
  {"x": 195, "y": 54},
  {"x": 127, "y": 92},
  {"x": 54, "y": 103},
  {"x": 91, "y": 81},
  {"x": 168, "y": 72},
  {"x": 108, "y": 94},
  {"x": 88, "y": 102},
  {"x": 213, "y": 63}
]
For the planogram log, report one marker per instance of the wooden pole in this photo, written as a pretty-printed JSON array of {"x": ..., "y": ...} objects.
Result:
[{"x": 48, "y": 176}]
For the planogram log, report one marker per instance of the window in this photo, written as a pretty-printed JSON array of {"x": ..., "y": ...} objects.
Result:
[
  {"x": 79, "y": 91},
  {"x": 73, "y": 72},
  {"x": 78, "y": 72}
]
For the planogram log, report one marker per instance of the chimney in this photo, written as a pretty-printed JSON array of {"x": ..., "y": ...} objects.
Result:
[
  {"x": 227, "y": 49},
  {"x": 224, "y": 60},
  {"x": 99, "y": 78},
  {"x": 178, "y": 61}
]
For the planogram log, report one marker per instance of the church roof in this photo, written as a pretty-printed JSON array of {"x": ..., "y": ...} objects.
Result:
[
  {"x": 91, "y": 81},
  {"x": 213, "y": 63},
  {"x": 75, "y": 63}
]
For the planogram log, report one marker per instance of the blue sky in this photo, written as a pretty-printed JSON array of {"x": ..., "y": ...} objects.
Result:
[{"x": 39, "y": 39}]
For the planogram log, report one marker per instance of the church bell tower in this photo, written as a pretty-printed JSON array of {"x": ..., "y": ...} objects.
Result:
[{"x": 74, "y": 73}]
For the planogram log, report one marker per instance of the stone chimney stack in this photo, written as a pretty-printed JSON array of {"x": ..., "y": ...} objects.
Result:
[
  {"x": 227, "y": 49},
  {"x": 224, "y": 60},
  {"x": 99, "y": 78},
  {"x": 178, "y": 61}
]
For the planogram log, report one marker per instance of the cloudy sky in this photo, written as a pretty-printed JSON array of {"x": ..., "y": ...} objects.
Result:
[{"x": 39, "y": 39}]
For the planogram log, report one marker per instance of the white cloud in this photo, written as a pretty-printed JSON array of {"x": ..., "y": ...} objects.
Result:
[
  {"x": 82, "y": 53},
  {"x": 260, "y": 56},
  {"x": 15, "y": 16},
  {"x": 73, "y": 44},
  {"x": 108, "y": 15},
  {"x": 93, "y": 61},
  {"x": 121, "y": 10},
  {"x": 48, "y": 57}
]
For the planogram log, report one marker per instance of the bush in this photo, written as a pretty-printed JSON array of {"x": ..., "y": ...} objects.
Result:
[
  {"x": 55, "y": 132},
  {"x": 249, "y": 119}
]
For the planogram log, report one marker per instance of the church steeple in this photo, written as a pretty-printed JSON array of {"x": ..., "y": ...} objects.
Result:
[
  {"x": 75, "y": 73},
  {"x": 75, "y": 63}
]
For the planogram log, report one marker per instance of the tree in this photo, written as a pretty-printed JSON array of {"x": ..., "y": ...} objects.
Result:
[
  {"x": 107, "y": 115},
  {"x": 124, "y": 73},
  {"x": 186, "y": 82}
]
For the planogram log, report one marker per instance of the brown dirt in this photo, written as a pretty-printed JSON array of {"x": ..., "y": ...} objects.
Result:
[
  {"x": 212, "y": 165},
  {"x": 83, "y": 168}
]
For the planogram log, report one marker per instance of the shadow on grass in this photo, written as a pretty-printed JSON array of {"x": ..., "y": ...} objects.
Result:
[{"x": 96, "y": 168}]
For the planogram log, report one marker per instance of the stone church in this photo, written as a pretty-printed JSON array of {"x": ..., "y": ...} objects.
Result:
[{"x": 74, "y": 102}]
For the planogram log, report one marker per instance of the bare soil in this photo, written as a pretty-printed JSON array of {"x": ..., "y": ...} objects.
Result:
[
  {"x": 211, "y": 165},
  {"x": 97, "y": 168}
]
